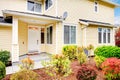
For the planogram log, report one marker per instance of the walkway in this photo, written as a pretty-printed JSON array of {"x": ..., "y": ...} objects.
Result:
[{"x": 38, "y": 58}]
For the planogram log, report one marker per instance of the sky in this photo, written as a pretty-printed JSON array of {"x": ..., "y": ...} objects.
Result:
[{"x": 117, "y": 12}]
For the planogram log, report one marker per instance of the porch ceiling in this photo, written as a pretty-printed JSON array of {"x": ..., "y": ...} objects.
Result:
[{"x": 36, "y": 21}]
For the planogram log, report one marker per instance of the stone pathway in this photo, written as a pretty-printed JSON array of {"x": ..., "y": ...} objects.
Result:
[{"x": 37, "y": 62}]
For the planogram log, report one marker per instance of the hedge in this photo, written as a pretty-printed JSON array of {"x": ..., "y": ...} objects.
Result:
[{"x": 108, "y": 51}]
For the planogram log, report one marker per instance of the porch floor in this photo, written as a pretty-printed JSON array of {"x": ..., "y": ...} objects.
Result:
[{"x": 38, "y": 58}]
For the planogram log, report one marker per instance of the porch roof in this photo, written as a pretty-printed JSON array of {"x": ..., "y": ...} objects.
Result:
[
  {"x": 32, "y": 17},
  {"x": 90, "y": 22}
]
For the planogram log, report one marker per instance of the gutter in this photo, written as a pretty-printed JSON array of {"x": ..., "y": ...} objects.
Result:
[
  {"x": 15, "y": 13},
  {"x": 5, "y": 24}
]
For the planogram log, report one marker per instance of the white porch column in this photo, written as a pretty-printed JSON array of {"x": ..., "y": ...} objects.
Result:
[
  {"x": 15, "y": 45},
  {"x": 84, "y": 35}
]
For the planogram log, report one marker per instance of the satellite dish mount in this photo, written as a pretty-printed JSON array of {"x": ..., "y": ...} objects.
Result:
[{"x": 65, "y": 14}]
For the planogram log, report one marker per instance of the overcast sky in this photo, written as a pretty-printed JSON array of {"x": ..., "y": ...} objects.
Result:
[{"x": 117, "y": 12}]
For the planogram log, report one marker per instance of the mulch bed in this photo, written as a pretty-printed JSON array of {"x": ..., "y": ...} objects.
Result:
[{"x": 74, "y": 66}]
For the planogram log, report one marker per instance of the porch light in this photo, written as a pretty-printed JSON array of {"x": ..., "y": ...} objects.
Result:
[{"x": 33, "y": 28}]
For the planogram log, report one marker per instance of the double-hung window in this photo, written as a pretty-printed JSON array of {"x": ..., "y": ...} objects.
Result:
[
  {"x": 104, "y": 35},
  {"x": 69, "y": 34},
  {"x": 34, "y": 6},
  {"x": 48, "y": 3},
  {"x": 49, "y": 35}
]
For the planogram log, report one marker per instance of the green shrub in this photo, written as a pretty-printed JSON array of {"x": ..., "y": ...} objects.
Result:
[
  {"x": 70, "y": 51},
  {"x": 82, "y": 58},
  {"x": 59, "y": 66},
  {"x": 99, "y": 60},
  {"x": 90, "y": 47},
  {"x": 86, "y": 72},
  {"x": 108, "y": 51},
  {"x": 2, "y": 70},
  {"x": 24, "y": 75},
  {"x": 4, "y": 56}
]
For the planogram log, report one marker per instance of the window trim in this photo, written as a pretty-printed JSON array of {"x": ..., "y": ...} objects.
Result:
[
  {"x": 102, "y": 33},
  {"x": 70, "y": 24},
  {"x": 34, "y": 5}
]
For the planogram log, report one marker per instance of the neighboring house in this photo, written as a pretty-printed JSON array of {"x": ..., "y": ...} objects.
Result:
[
  {"x": 117, "y": 36},
  {"x": 47, "y": 25}
]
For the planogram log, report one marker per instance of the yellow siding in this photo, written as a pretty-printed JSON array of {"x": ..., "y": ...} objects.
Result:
[
  {"x": 19, "y": 5},
  {"x": 23, "y": 37},
  {"x": 5, "y": 38},
  {"x": 92, "y": 35},
  {"x": 84, "y": 9}
]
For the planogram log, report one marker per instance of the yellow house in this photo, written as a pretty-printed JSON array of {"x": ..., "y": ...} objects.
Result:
[{"x": 28, "y": 26}]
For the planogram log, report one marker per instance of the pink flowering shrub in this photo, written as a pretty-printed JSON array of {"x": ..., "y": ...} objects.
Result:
[{"x": 111, "y": 68}]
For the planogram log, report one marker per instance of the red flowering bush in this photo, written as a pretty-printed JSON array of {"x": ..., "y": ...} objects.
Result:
[
  {"x": 111, "y": 68},
  {"x": 86, "y": 72}
]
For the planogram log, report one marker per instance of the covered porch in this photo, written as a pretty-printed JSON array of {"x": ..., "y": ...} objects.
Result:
[{"x": 32, "y": 33}]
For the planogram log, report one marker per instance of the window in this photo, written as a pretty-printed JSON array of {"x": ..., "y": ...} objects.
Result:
[
  {"x": 100, "y": 35},
  {"x": 48, "y": 3},
  {"x": 34, "y": 6},
  {"x": 108, "y": 34},
  {"x": 69, "y": 34},
  {"x": 103, "y": 35},
  {"x": 49, "y": 35},
  {"x": 96, "y": 6},
  {"x": 42, "y": 35}
]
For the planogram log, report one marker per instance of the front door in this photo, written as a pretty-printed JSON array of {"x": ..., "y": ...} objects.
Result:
[{"x": 33, "y": 39}]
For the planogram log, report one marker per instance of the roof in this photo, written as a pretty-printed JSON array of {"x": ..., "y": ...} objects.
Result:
[
  {"x": 90, "y": 22},
  {"x": 20, "y": 13},
  {"x": 112, "y": 3}
]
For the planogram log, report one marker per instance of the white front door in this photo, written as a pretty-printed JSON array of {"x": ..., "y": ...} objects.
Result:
[{"x": 33, "y": 39}]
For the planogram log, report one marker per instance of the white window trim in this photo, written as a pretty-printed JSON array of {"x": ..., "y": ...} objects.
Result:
[
  {"x": 49, "y": 7},
  {"x": 70, "y": 24},
  {"x": 34, "y": 4},
  {"x": 96, "y": 6}
]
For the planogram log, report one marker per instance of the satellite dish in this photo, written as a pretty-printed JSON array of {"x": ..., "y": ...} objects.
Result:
[{"x": 65, "y": 14}]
